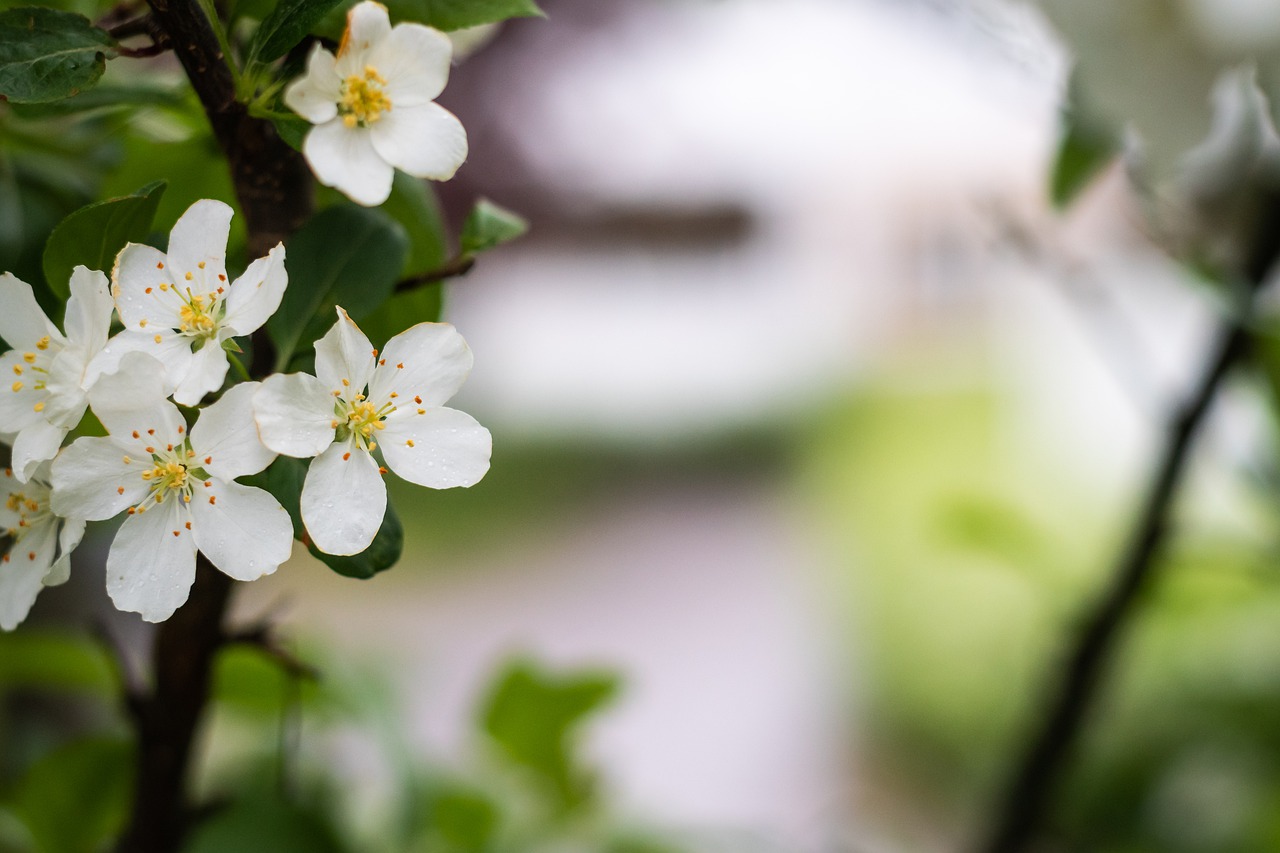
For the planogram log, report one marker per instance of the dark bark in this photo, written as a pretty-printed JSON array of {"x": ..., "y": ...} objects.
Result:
[
  {"x": 1046, "y": 755},
  {"x": 274, "y": 191}
]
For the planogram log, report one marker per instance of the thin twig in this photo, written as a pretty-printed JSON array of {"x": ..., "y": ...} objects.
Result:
[{"x": 459, "y": 266}]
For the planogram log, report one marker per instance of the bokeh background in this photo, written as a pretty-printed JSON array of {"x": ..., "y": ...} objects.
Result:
[{"x": 816, "y": 426}]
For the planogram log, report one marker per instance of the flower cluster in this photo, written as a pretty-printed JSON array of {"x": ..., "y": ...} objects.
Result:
[{"x": 176, "y": 482}]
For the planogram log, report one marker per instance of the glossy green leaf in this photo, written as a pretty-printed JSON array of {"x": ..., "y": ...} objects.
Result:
[
  {"x": 532, "y": 715},
  {"x": 95, "y": 234},
  {"x": 489, "y": 225},
  {"x": 76, "y": 798},
  {"x": 288, "y": 23},
  {"x": 284, "y": 480},
  {"x": 46, "y": 55},
  {"x": 104, "y": 97},
  {"x": 414, "y": 205},
  {"x": 457, "y": 14},
  {"x": 349, "y": 256}
]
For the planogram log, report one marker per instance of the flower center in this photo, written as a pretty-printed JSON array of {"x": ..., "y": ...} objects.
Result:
[
  {"x": 171, "y": 473},
  {"x": 198, "y": 316},
  {"x": 30, "y": 512},
  {"x": 363, "y": 101},
  {"x": 360, "y": 418}
]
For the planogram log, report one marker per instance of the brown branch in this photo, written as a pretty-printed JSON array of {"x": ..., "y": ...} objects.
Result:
[
  {"x": 459, "y": 266},
  {"x": 1037, "y": 774},
  {"x": 140, "y": 26},
  {"x": 274, "y": 189}
]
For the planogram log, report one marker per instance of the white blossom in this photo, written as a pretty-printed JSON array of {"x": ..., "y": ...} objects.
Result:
[
  {"x": 179, "y": 489},
  {"x": 46, "y": 371},
  {"x": 373, "y": 106},
  {"x": 40, "y": 544},
  {"x": 360, "y": 401},
  {"x": 179, "y": 307}
]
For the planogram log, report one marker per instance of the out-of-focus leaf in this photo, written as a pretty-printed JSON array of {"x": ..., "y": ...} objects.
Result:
[
  {"x": 288, "y": 23},
  {"x": 95, "y": 234},
  {"x": 263, "y": 823},
  {"x": 293, "y": 130},
  {"x": 284, "y": 480},
  {"x": 103, "y": 97},
  {"x": 532, "y": 715},
  {"x": 349, "y": 256},
  {"x": 488, "y": 225},
  {"x": 1086, "y": 145},
  {"x": 460, "y": 818},
  {"x": 414, "y": 205},
  {"x": 46, "y": 55},
  {"x": 55, "y": 661},
  {"x": 76, "y": 798},
  {"x": 458, "y": 14}
]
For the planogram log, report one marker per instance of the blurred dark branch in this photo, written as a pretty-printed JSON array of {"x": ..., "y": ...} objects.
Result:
[
  {"x": 1045, "y": 756},
  {"x": 274, "y": 190}
]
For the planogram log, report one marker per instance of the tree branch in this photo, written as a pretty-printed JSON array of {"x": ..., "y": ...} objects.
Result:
[
  {"x": 274, "y": 190},
  {"x": 1045, "y": 757}
]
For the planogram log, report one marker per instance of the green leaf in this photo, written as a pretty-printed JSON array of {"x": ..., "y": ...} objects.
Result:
[
  {"x": 262, "y": 822},
  {"x": 288, "y": 23},
  {"x": 46, "y": 55},
  {"x": 76, "y": 798},
  {"x": 1086, "y": 146},
  {"x": 414, "y": 205},
  {"x": 461, "y": 816},
  {"x": 35, "y": 660},
  {"x": 489, "y": 225},
  {"x": 284, "y": 480},
  {"x": 349, "y": 256},
  {"x": 457, "y": 14},
  {"x": 104, "y": 97},
  {"x": 95, "y": 234},
  {"x": 532, "y": 715}
]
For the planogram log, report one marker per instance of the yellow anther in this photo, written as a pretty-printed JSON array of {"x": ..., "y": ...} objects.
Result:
[
  {"x": 43, "y": 343},
  {"x": 29, "y": 357},
  {"x": 39, "y": 407},
  {"x": 158, "y": 339},
  {"x": 17, "y": 386},
  {"x": 200, "y": 265},
  {"x": 17, "y": 369},
  {"x": 409, "y": 442},
  {"x": 188, "y": 276},
  {"x": 363, "y": 101}
]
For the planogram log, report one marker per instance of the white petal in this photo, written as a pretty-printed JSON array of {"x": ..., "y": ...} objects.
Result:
[
  {"x": 429, "y": 362},
  {"x": 414, "y": 60},
  {"x": 449, "y": 447},
  {"x": 91, "y": 480},
  {"x": 172, "y": 352},
  {"x": 205, "y": 374},
  {"x": 131, "y": 404},
  {"x": 343, "y": 157},
  {"x": 427, "y": 141},
  {"x": 22, "y": 573},
  {"x": 67, "y": 398},
  {"x": 315, "y": 95},
  {"x": 22, "y": 321},
  {"x": 19, "y": 398},
  {"x": 256, "y": 294},
  {"x": 343, "y": 500},
  {"x": 225, "y": 439},
  {"x": 88, "y": 319},
  {"x": 142, "y": 285},
  {"x": 200, "y": 237},
  {"x": 244, "y": 531},
  {"x": 10, "y": 486},
  {"x": 294, "y": 413},
  {"x": 68, "y": 539},
  {"x": 367, "y": 24},
  {"x": 149, "y": 569},
  {"x": 344, "y": 357},
  {"x": 35, "y": 444}
]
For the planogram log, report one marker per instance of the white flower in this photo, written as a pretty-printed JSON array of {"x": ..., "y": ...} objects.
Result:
[
  {"x": 372, "y": 106},
  {"x": 179, "y": 489},
  {"x": 359, "y": 402},
  {"x": 46, "y": 371},
  {"x": 40, "y": 545},
  {"x": 179, "y": 307}
]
